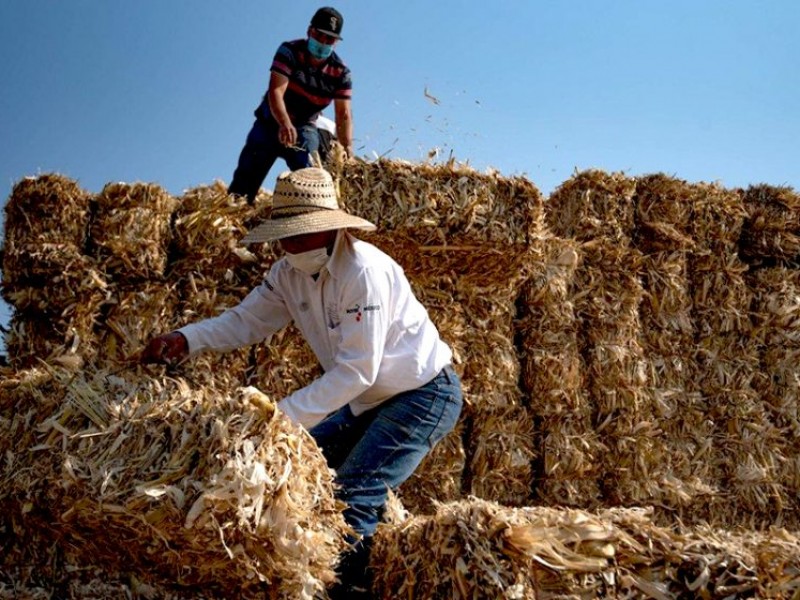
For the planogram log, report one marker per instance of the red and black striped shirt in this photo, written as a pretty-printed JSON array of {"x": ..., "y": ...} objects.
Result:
[{"x": 311, "y": 88}]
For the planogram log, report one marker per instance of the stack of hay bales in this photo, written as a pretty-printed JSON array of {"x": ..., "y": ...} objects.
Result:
[
  {"x": 595, "y": 211},
  {"x": 212, "y": 272},
  {"x": 54, "y": 286},
  {"x": 130, "y": 236},
  {"x": 744, "y": 451},
  {"x": 181, "y": 486},
  {"x": 680, "y": 478},
  {"x": 177, "y": 468},
  {"x": 626, "y": 355},
  {"x": 465, "y": 240},
  {"x": 769, "y": 244}
]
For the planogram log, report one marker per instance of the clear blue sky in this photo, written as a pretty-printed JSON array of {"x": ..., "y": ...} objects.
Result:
[{"x": 163, "y": 90}]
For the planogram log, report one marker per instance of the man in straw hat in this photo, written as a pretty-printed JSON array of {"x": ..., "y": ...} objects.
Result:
[
  {"x": 306, "y": 76},
  {"x": 388, "y": 393}
]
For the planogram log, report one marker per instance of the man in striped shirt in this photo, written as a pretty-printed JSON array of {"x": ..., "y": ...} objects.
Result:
[{"x": 306, "y": 76}]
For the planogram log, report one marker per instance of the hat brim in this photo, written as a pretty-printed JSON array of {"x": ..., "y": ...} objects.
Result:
[
  {"x": 333, "y": 34},
  {"x": 313, "y": 222}
]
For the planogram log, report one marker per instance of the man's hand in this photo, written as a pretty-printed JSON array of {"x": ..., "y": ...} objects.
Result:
[
  {"x": 167, "y": 349},
  {"x": 287, "y": 135}
]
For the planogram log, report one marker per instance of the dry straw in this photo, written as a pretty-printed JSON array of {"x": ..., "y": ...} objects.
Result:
[
  {"x": 130, "y": 230},
  {"x": 210, "y": 490}
]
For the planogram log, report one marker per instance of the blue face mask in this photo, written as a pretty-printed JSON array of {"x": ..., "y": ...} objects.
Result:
[{"x": 318, "y": 50}]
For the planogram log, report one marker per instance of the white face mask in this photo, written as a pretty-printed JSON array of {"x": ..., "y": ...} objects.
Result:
[{"x": 310, "y": 261}]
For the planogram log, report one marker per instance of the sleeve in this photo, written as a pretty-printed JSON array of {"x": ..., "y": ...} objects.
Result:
[
  {"x": 344, "y": 91},
  {"x": 284, "y": 60},
  {"x": 363, "y": 329},
  {"x": 262, "y": 313}
]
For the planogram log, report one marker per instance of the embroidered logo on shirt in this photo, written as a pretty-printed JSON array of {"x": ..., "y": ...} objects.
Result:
[{"x": 359, "y": 312}]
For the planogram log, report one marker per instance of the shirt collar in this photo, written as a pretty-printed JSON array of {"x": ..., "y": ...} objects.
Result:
[{"x": 338, "y": 261}]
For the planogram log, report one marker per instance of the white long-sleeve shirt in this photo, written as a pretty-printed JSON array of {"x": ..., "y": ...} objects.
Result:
[{"x": 369, "y": 332}]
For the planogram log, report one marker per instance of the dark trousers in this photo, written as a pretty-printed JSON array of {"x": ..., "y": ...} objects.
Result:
[
  {"x": 262, "y": 148},
  {"x": 377, "y": 451}
]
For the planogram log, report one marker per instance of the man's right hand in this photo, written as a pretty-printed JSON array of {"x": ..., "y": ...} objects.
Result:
[
  {"x": 167, "y": 349},
  {"x": 287, "y": 135}
]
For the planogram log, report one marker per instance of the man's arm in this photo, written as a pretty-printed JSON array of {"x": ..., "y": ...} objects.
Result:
[
  {"x": 278, "y": 84},
  {"x": 344, "y": 125}
]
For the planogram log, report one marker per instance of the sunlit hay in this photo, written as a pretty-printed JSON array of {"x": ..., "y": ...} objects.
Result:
[
  {"x": 547, "y": 330},
  {"x": 721, "y": 297},
  {"x": 681, "y": 481},
  {"x": 48, "y": 277},
  {"x": 44, "y": 264},
  {"x": 771, "y": 231},
  {"x": 500, "y": 454},
  {"x": 591, "y": 205},
  {"x": 130, "y": 231},
  {"x": 66, "y": 335},
  {"x": 718, "y": 215},
  {"x": 500, "y": 266},
  {"x": 570, "y": 471},
  {"x": 131, "y": 317},
  {"x": 210, "y": 490},
  {"x": 447, "y": 204},
  {"x": 607, "y": 306},
  {"x": 48, "y": 209},
  {"x": 476, "y": 549},
  {"x": 208, "y": 226},
  {"x": 46, "y": 218},
  {"x": 439, "y": 478},
  {"x": 553, "y": 377},
  {"x": 664, "y": 207}
]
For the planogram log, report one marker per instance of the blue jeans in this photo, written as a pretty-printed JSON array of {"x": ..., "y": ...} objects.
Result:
[
  {"x": 379, "y": 449},
  {"x": 263, "y": 148}
]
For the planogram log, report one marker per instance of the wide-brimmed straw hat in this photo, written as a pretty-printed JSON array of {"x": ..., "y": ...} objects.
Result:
[{"x": 304, "y": 202}]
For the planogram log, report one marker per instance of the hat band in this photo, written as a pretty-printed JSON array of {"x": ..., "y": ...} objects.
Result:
[{"x": 296, "y": 210}]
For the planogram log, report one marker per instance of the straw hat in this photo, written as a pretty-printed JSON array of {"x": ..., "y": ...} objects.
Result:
[{"x": 304, "y": 202}]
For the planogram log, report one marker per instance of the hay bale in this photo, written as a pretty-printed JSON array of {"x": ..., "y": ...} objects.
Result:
[
  {"x": 721, "y": 298},
  {"x": 666, "y": 309},
  {"x": 285, "y": 363},
  {"x": 45, "y": 336},
  {"x": 43, "y": 259},
  {"x": 447, "y": 204},
  {"x": 207, "y": 228},
  {"x": 47, "y": 209},
  {"x": 131, "y": 317},
  {"x": 208, "y": 490},
  {"x": 775, "y": 308},
  {"x": 592, "y": 205},
  {"x": 718, "y": 216},
  {"x": 500, "y": 455},
  {"x": 771, "y": 230},
  {"x": 664, "y": 207},
  {"x": 553, "y": 378},
  {"x": 130, "y": 231},
  {"x": 475, "y": 549}
]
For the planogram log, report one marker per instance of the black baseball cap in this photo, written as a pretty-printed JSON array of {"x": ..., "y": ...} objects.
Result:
[{"x": 329, "y": 21}]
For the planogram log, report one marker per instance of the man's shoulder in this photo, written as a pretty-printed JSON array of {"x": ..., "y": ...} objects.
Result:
[{"x": 369, "y": 256}]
